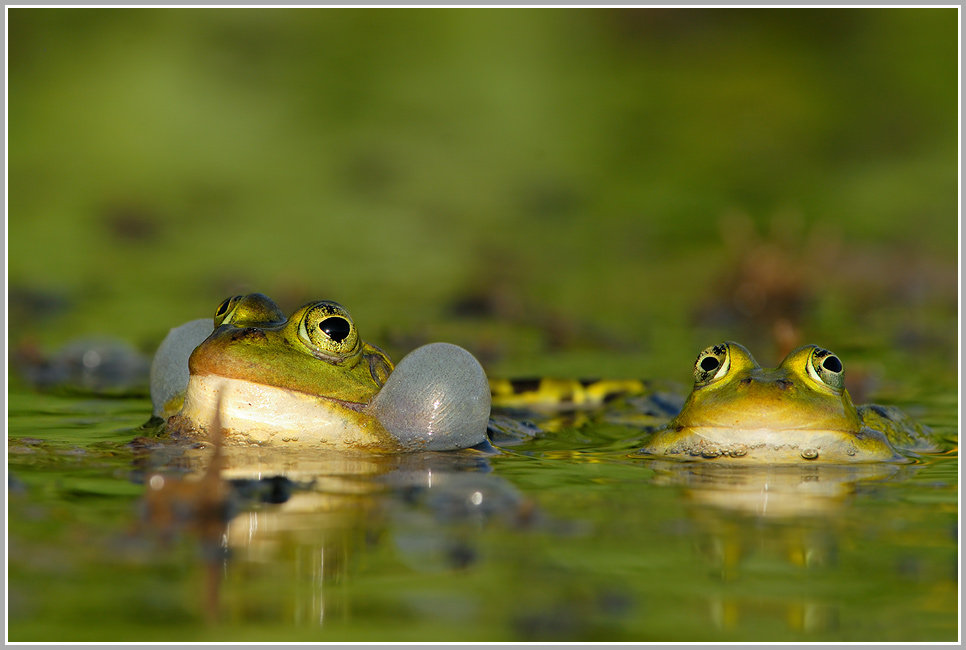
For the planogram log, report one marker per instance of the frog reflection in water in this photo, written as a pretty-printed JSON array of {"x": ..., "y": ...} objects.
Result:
[
  {"x": 739, "y": 412},
  {"x": 310, "y": 380}
]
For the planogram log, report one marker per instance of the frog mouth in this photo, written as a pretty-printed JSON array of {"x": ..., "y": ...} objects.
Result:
[
  {"x": 262, "y": 414},
  {"x": 769, "y": 445},
  {"x": 269, "y": 391}
]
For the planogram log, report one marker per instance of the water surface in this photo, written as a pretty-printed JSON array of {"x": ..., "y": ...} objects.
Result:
[{"x": 559, "y": 538}]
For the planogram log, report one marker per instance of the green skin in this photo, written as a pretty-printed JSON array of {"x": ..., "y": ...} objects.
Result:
[
  {"x": 315, "y": 357},
  {"x": 799, "y": 412},
  {"x": 253, "y": 341}
]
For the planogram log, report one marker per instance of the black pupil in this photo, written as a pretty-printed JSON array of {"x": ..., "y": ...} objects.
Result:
[
  {"x": 336, "y": 328},
  {"x": 709, "y": 363},
  {"x": 832, "y": 364}
]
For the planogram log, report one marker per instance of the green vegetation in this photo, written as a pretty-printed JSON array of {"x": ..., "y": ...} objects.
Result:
[{"x": 568, "y": 168}]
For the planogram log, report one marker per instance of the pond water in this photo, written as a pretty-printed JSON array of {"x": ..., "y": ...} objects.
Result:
[{"x": 562, "y": 537}]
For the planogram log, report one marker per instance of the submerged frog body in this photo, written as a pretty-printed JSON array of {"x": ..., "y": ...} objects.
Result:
[
  {"x": 310, "y": 380},
  {"x": 799, "y": 412}
]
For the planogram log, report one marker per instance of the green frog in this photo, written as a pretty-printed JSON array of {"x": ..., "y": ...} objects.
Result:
[
  {"x": 309, "y": 380},
  {"x": 799, "y": 412}
]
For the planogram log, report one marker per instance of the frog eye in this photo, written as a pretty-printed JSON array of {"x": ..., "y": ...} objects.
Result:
[
  {"x": 336, "y": 328},
  {"x": 225, "y": 308},
  {"x": 253, "y": 308},
  {"x": 827, "y": 369},
  {"x": 712, "y": 363},
  {"x": 328, "y": 328}
]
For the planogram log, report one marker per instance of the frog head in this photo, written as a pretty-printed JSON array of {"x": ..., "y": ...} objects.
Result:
[{"x": 741, "y": 412}]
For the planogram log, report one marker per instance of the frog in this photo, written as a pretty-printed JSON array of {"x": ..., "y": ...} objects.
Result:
[
  {"x": 310, "y": 381},
  {"x": 799, "y": 412}
]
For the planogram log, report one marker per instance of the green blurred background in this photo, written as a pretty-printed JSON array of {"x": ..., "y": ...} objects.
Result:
[{"x": 566, "y": 191}]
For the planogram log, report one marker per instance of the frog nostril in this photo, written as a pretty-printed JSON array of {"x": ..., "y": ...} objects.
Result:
[
  {"x": 784, "y": 384},
  {"x": 247, "y": 333},
  {"x": 745, "y": 381}
]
